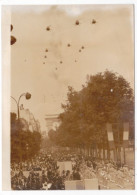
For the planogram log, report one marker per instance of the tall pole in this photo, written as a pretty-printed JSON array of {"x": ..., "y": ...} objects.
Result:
[
  {"x": 28, "y": 96},
  {"x": 23, "y": 94},
  {"x": 17, "y": 102},
  {"x": 124, "y": 155},
  {"x": 119, "y": 149}
]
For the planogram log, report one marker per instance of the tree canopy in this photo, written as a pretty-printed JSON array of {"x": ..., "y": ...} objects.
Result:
[
  {"x": 24, "y": 143},
  {"x": 105, "y": 98}
]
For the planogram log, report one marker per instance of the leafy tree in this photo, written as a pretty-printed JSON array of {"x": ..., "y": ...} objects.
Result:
[
  {"x": 24, "y": 143},
  {"x": 105, "y": 98}
]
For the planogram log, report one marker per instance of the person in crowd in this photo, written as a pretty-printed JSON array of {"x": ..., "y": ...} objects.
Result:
[
  {"x": 42, "y": 172},
  {"x": 76, "y": 174}
]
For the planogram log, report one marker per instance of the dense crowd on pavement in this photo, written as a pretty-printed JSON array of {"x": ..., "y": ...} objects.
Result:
[{"x": 43, "y": 172}]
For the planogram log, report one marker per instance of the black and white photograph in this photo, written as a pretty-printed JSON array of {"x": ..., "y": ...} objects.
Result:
[{"x": 71, "y": 114}]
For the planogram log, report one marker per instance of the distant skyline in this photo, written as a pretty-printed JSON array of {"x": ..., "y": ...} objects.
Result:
[{"x": 73, "y": 51}]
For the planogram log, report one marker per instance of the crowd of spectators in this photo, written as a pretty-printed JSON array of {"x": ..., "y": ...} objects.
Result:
[{"x": 42, "y": 172}]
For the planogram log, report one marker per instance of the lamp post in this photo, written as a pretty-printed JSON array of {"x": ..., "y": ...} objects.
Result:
[{"x": 27, "y": 95}]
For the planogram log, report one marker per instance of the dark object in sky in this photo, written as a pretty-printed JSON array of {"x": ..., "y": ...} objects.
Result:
[
  {"x": 68, "y": 45},
  {"x": 43, "y": 62},
  {"x": 75, "y": 60},
  {"x": 46, "y": 50},
  {"x": 60, "y": 62},
  {"x": 11, "y": 27},
  {"x": 93, "y": 21},
  {"x": 12, "y": 40},
  {"x": 45, "y": 56},
  {"x": 82, "y": 47},
  {"x": 48, "y": 28},
  {"x": 77, "y": 22},
  {"x": 56, "y": 69},
  {"x": 80, "y": 50}
]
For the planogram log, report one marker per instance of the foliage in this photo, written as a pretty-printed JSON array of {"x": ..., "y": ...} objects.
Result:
[
  {"x": 24, "y": 143},
  {"x": 105, "y": 98}
]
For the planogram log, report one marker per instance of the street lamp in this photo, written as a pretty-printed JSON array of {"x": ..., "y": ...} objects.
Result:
[{"x": 27, "y": 96}]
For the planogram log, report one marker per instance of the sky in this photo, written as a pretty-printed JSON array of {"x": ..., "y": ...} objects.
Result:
[{"x": 108, "y": 44}]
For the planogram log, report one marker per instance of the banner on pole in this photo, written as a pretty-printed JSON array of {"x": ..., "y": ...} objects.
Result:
[
  {"x": 126, "y": 131},
  {"x": 110, "y": 132},
  {"x": 126, "y": 135},
  {"x": 110, "y": 136}
]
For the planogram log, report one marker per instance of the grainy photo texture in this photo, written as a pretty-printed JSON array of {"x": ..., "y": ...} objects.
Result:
[{"x": 72, "y": 97}]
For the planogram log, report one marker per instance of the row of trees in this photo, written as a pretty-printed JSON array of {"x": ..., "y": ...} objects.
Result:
[
  {"x": 105, "y": 98},
  {"x": 24, "y": 143}
]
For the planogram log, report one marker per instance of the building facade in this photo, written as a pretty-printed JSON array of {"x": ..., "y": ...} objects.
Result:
[{"x": 33, "y": 124}]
